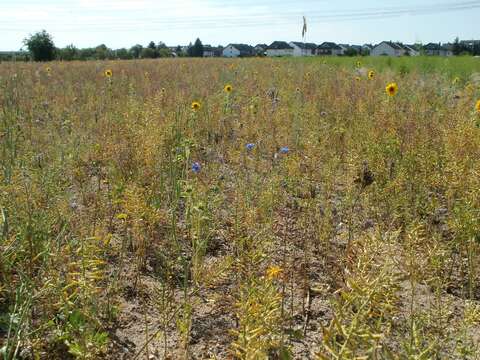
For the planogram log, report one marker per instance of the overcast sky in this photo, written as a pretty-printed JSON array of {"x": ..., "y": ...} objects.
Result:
[{"x": 123, "y": 23}]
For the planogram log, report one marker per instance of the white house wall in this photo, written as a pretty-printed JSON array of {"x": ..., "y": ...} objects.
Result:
[
  {"x": 231, "y": 51},
  {"x": 337, "y": 52},
  {"x": 385, "y": 49},
  {"x": 297, "y": 51},
  {"x": 279, "y": 52}
]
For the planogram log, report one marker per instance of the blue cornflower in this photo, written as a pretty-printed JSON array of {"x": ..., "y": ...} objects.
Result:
[
  {"x": 196, "y": 167},
  {"x": 284, "y": 150},
  {"x": 250, "y": 146}
]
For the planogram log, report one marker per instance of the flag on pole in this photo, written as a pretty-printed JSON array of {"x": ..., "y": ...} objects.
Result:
[{"x": 304, "y": 30}]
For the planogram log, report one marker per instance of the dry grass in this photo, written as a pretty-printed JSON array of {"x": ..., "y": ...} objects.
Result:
[{"x": 360, "y": 241}]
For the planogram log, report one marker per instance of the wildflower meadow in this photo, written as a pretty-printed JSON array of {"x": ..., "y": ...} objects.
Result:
[{"x": 324, "y": 208}]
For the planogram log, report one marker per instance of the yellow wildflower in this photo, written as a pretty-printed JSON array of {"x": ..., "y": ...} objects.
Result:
[{"x": 274, "y": 272}]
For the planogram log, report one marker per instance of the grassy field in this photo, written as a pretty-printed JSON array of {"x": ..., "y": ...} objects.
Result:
[{"x": 250, "y": 209}]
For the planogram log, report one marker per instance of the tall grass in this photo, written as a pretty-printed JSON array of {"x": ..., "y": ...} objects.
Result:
[{"x": 281, "y": 249}]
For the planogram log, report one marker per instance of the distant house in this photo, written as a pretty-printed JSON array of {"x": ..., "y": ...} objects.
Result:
[
  {"x": 433, "y": 49},
  {"x": 388, "y": 48},
  {"x": 303, "y": 49},
  {"x": 450, "y": 47},
  {"x": 357, "y": 48},
  {"x": 260, "y": 49},
  {"x": 411, "y": 50},
  {"x": 208, "y": 51},
  {"x": 218, "y": 51},
  {"x": 238, "y": 50},
  {"x": 366, "y": 49},
  {"x": 330, "y": 48},
  {"x": 279, "y": 48},
  {"x": 471, "y": 45}
]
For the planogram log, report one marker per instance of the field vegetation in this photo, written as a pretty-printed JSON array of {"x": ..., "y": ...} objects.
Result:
[{"x": 324, "y": 208}]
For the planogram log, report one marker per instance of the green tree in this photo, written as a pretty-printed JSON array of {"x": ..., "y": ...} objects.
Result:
[
  {"x": 68, "y": 53},
  {"x": 86, "y": 54},
  {"x": 101, "y": 52},
  {"x": 196, "y": 50},
  {"x": 41, "y": 46},
  {"x": 476, "y": 49},
  {"x": 152, "y": 51},
  {"x": 164, "y": 52},
  {"x": 351, "y": 52},
  {"x": 136, "y": 51},
  {"x": 457, "y": 48},
  {"x": 148, "y": 53},
  {"x": 123, "y": 54}
]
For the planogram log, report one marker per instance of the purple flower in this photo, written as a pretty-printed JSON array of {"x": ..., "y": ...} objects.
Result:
[
  {"x": 250, "y": 146},
  {"x": 284, "y": 150},
  {"x": 196, "y": 167}
]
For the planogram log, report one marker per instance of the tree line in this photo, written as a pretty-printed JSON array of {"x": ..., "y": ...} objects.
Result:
[
  {"x": 41, "y": 47},
  {"x": 460, "y": 48}
]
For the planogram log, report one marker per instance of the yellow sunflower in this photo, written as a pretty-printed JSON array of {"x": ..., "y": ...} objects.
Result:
[
  {"x": 359, "y": 64},
  {"x": 392, "y": 89},
  {"x": 273, "y": 272},
  {"x": 196, "y": 105},
  {"x": 455, "y": 80},
  {"x": 477, "y": 106},
  {"x": 108, "y": 73},
  {"x": 48, "y": 69},
  {"x": 228, "y": 88},
  {"x": 371, "y": 74}
]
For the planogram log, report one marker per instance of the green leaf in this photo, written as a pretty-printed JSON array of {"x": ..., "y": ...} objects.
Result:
[{"x": 285, "y": 353}]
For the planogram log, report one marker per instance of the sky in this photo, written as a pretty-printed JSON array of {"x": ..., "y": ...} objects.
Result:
[{"x": 124, "y": 23}]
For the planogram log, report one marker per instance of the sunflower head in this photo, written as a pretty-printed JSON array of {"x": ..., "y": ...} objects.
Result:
[
  {"x": 297, "y": 90},
  {"x": 108, "y": 73},
  {"x": 228, "y": 88},
  {"x": 48, "y": 69},
  {"x": 477, "y": 106},
  {"x": 392, "y": 89},
  {"x": 196, "y": 106},
  {"x": 455, "y": 80},
  {"x": 371, "y": 74},
  {"x": 358, "y": 78},
  {"x": 359, "y": 64}
]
